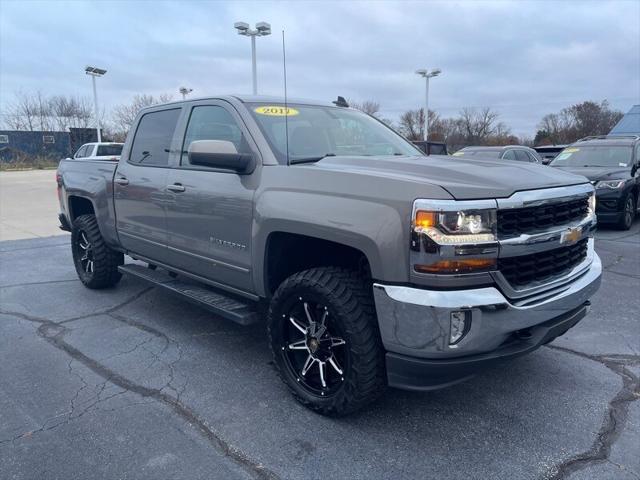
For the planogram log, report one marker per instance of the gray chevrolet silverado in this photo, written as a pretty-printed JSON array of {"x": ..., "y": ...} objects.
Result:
[{"x": 375, "y": 264}]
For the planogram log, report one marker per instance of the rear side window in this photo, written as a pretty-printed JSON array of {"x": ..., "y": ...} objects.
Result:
[
  {"x": 153, "y": 138},
  {"x": 109, "y": 150}
]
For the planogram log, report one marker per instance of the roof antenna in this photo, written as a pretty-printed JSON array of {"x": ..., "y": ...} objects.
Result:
[{"x": 286, "y": 106}]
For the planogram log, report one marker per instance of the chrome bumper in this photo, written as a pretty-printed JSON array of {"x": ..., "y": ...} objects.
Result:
[{"x": 416, "y": 322}]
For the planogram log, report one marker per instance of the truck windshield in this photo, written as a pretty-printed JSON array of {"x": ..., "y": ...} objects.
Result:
[
  {"x": 594, "y": 156},
  {"x": 317, "y": 131}
]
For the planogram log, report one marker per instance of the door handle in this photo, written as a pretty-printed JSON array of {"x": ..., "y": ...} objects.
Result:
[
  {"x": 121, "y": 181},
  {"x": 176, "y": 187}
]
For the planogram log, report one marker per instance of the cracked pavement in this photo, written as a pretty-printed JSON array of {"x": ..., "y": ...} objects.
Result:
[{"x": 132, "y": 383}]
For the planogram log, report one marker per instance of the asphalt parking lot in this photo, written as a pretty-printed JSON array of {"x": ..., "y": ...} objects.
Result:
[{"x": 132, "y": 383}]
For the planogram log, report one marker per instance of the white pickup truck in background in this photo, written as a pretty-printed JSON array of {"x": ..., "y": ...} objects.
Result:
[{"x": 100, "y": 151}]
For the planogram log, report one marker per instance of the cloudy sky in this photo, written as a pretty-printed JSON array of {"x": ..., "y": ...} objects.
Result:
[{"x": 524, "y": 59}]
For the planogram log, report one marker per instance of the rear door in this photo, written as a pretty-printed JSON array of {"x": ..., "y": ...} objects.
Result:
[
  {"x": 140, "y": 182},
  {"x": 209, "y": 211}
]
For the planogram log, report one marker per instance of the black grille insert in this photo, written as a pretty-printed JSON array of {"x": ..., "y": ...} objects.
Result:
[
  {"x": 513, "y": 222},
  {"x": 542, "y": 266}
]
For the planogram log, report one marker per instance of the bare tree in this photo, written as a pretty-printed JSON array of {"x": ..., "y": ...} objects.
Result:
[
  {"x": 412, "y": 124},
  {"x": 70, "y": 112},
  {"x": 125, "y": 114},
  {"x": 577, "y": 121},
  {"x": 368, "y": 106},
  {"x": 36, "y": 111}
]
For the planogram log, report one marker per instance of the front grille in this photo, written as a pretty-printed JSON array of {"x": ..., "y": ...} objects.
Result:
[
  {"x": 542, "y": 266},
  {"x": 514, "y": 222}
]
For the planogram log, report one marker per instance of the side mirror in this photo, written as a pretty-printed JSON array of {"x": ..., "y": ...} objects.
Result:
[{"x": 220, "y": 154}]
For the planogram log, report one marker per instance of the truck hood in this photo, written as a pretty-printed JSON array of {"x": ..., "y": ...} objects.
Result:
[
  {"x": 596, "y": 174},
  {"x": 463, "y": 179}
]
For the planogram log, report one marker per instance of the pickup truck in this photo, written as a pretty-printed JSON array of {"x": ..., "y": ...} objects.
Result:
[{"x": 373, "y": 264}]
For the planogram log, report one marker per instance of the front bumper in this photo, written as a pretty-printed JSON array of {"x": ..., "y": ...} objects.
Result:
[{"x": 414, "y": 325}]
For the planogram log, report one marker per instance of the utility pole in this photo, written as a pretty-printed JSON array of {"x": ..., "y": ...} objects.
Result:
[
  {"x": 96, "y": 72},
  {"x": 262, "y": 30},
  {"x": 426, "y": 74}
]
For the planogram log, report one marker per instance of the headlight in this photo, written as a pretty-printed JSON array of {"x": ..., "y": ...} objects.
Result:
[
  {"x": 612, "y": 184},
  {"x": 592, "y": 204},
  {"x": 457, "y": 227},
  {"x": 454, "y": 237}
]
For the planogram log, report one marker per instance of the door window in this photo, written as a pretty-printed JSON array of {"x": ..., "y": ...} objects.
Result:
[
  {"x": 509, "y": 155},
  {"x": 522, "y": 156},
  {"x": 210, "y": 122},
  {"x": 82, "y": 151},
  {"x": 153, "y": 138}
]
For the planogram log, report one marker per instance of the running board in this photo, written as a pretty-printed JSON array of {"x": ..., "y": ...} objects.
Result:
[{"x": 241, "y": 312}]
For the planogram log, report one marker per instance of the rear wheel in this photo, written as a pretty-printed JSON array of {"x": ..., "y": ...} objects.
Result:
[
  {"x": 628, "y": 213},
  {"x": 96, "y": 264},
  {"x": 325, "y": 340}
]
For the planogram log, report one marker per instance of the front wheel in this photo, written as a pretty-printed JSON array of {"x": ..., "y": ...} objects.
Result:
[
  {"x": 628, "y": 213},
  {"x": 325, "y": 340},
  {"x": 96, "y": 264}
]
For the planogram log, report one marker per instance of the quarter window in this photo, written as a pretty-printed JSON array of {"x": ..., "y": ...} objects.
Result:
[
  {"x": 210, "y": 122},
  {"x": 153, "y": 138}
]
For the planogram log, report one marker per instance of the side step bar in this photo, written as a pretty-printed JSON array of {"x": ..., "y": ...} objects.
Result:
[{"x": 215, "y": 301}]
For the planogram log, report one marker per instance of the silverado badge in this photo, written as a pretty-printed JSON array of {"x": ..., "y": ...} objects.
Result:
[{"x": 570, "y": 236}]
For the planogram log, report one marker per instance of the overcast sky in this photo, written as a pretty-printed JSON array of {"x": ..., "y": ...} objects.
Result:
[{"x": 524, "y": 59}]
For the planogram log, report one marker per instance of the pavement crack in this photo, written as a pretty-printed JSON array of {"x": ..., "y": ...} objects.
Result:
[
  {"x": 54, "y": 334},
  {"x": 27, "y": 284},
  {"x": 615, "y": 417}
]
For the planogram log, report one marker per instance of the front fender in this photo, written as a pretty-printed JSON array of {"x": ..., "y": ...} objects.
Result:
[{"x": 376, "y": 229}]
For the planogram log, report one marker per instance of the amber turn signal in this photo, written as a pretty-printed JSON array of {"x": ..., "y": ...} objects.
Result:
[
  {"x": 425, "y": 219},
  {"x": 457, "y": 266}
]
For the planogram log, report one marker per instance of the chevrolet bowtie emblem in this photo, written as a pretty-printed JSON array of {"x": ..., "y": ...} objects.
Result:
[{"x": 571, "y": 235}]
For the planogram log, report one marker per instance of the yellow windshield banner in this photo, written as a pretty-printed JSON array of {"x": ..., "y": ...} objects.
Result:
[
  {"x": 458, "y": 154},
  {"x": 570, "y": 150},
  {"x": 276, "y": 111}
]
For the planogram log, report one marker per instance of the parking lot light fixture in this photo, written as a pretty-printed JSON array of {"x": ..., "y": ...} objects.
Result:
[
  {"x": 95, "y": 72},
  {"x": 426, "y": 74},
  {"x": 185, "y": 91},
  {"x": 262, "y": 30}
]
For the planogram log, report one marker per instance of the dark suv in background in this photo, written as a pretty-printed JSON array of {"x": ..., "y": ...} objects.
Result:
[
  {"x": 611, "y": 163},
  {"x": 508, "y": 152}
]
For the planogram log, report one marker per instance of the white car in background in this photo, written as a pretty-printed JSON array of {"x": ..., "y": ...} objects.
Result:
[{"x": 100, "y": 151}]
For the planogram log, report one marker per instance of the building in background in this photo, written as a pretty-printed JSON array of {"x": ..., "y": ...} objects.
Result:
[{"x": 17, "y": 145}]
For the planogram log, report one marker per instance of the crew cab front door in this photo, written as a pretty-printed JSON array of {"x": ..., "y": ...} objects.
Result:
[
  {"x": 140, "y": 182},
  {"x": 209, "y": 211}
]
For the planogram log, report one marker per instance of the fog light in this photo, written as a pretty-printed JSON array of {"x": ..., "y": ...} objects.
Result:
[{"x": 460, "y": 324}]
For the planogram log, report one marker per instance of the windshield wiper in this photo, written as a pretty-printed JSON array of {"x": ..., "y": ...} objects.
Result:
[{"x": 295, "y": 161}]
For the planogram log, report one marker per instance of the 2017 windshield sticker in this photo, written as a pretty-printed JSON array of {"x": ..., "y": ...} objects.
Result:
[
  {"x": 570, "y": 150},
  {"x": 276, "y": 111}
]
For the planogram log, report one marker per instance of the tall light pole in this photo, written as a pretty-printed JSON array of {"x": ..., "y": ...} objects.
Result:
[
  {"x": 262, "y": 30},
  {"x": 185, "y": 91},
  {"x": 95, "y": 72},
  {"x": 426, "y": 74}
]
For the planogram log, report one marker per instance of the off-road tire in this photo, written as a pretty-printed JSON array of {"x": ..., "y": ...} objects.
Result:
[
  {"x": 349, "y": 298},
  {"x": 104, "y": 271}
]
